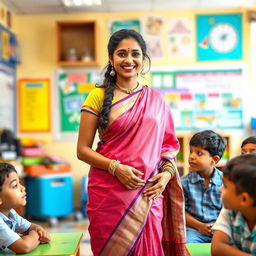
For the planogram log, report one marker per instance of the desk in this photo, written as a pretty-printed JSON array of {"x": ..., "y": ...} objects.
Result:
[
  {"x": 203, "y": 249},
  {"x": 62, "y": 244}
]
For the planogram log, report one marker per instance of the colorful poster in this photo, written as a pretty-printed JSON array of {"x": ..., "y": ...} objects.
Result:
[
  {"x": 115, "y": 25},
  {"x": 180, "y": 38},
  {"x": 205, "y": 99},
  {"x": 152, "y": 33},
  {"x": 34, "y": 102},
  {"x": 72, "y": 89}
]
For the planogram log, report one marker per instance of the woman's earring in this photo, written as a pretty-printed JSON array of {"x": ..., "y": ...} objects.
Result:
[
  {"x": 112, "y": 72},
  {"x": 142, "y": 73}
]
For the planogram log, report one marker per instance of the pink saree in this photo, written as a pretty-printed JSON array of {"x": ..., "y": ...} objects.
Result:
[{"x": 122, "y": 221}]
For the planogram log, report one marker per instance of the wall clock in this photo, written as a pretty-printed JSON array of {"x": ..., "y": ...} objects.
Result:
[{"x": 219, "y": 37}]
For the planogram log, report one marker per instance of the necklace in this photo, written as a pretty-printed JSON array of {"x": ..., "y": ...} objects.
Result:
[{"x": 127, "y": 91}]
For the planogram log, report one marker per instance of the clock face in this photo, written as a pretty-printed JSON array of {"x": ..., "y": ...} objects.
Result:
[{"x": 223, "y": 37}]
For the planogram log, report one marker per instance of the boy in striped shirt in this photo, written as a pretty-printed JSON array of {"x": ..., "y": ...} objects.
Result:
[{"x": 235, "y": 228}]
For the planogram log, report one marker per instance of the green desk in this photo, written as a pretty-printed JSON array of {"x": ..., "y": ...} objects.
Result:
[
  {"x": 62, "y": 244},
  {"x": 203, "y": 249}
]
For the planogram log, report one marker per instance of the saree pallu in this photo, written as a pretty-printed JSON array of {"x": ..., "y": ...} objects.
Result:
[{"x": 122, "y": 220}]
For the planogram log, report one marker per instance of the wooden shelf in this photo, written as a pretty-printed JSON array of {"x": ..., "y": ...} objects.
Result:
[
  {"x": 78, "y": 63},
  {"x": 81, "y": 36}
]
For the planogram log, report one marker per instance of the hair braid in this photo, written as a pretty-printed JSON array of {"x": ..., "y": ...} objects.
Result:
[{"x": 109, "y": 85}]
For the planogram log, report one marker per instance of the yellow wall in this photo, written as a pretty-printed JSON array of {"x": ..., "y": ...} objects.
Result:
[{"x": 37, "y": 37}]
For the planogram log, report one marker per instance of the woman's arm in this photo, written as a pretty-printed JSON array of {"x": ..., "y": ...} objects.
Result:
[
  {"x": 86, "y": 135},
  {"x": 221, "y": 247},
  {"x": 127, "y": 175}
]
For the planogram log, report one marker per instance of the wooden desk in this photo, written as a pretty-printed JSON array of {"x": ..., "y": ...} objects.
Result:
[
  {"x": 203, "y": 249},
  {"x": 62, "y": 244}
]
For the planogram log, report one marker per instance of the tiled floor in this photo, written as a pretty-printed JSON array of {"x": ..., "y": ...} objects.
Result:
[{"x": 69, "y": 225}]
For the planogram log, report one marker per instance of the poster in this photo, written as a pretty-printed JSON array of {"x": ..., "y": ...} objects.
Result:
[
  {"x": 180, "y": 38},
  {"x": 152, "y": 33},
  {"x": 203, "y": 99},
  {"x": 72, "y": 88},
  {"x": 115, "y": 25},
  {"x": 34, "y": 102}
]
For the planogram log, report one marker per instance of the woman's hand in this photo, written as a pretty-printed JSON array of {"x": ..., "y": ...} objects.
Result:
[
  {"x": 160, "y": 180},
  {"x": 127, "y": 175}
]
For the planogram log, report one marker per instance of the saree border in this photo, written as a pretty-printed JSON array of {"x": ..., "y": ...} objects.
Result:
[{"x": 112, "y": 242}]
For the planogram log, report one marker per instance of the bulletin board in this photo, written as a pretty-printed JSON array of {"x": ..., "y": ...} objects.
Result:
[
  {"x": 207, "y": 99},
  {"x": 34, "y": 105},
  {"x": 71, "y": 89}
]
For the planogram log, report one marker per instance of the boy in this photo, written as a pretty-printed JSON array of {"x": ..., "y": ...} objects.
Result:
[
  {"x": 202, "y": 185},
  {"x": 235, "y": 228},
  {"x": 13, "y": 194},
  {"x": 248, "y": 145}
]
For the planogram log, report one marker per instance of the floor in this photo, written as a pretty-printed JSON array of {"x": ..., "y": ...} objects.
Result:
[{"x": 67, "y": 224}]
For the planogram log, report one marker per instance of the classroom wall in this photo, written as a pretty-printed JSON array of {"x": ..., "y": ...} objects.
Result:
[{"x": 37, "y": 37}]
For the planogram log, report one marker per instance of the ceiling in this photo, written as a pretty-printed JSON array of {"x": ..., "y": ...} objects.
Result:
[{"x": 55, "y": 6}]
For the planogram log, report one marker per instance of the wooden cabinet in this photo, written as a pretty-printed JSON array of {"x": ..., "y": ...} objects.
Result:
[
  {"x": 77, "y": 43},
  {"x": 182, "y": 157}
]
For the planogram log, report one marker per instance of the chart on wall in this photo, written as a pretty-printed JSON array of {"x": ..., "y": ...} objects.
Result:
[
  {"x": 219, "y": 37},
  {"x": 202, "y": 98},
  {"x": 73, "y": 88},
  {"x": 115, "y": 25}
]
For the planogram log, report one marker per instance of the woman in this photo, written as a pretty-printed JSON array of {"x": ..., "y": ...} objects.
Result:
[{"x": 135, "y": 204}]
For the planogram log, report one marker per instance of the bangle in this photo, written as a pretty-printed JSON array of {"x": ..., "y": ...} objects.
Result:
[
  {"x": 112, "y": 166},
  {"x": 167, "y": 169}
]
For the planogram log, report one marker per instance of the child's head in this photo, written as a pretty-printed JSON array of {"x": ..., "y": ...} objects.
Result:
[
  {"x": 206, "y": 149},
  {"x": 5, "y": 170},
  {"x": 12, "y": 193},
  {"x": 210, "y": 141},
  {"x": 239, "y": 182},
  {"x": 248, "y": 145}
]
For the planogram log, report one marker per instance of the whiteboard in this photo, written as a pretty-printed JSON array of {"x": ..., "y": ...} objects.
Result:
[{"x": 7, "y": 98}]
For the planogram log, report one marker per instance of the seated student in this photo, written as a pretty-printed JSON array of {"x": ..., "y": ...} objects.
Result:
[
  {"x": 235, "y": 228},
  {"x": 248, "y": 145},
  {"x": 13, "y": 194},
  {"x": 202, "y": 185}
]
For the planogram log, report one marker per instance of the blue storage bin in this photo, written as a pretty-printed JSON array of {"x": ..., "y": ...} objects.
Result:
[{"x": 49, "y": 195}]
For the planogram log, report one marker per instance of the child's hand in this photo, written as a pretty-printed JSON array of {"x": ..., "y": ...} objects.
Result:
[
  {"x": 205, "y": 229},
  {"x": 44, "y": 236}
]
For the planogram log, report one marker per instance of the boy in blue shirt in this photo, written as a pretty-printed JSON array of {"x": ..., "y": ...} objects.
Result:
[
  {"x": 13, "y": 194},
  {"x": 235, "y": 228},
  {"x": 202, "y": 185}
]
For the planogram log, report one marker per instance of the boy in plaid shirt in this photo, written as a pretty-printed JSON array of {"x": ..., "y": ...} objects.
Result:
[
  {"x": 202, "y": 185},
  {"x": 235, "y": 228}
]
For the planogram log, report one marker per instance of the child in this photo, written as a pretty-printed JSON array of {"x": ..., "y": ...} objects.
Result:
[
  {"x": 248, "y": 145},
  {"x": 202, "y": 185},
  {"x": 13, "y": 194},
  {"x": 235, "y": 228}
]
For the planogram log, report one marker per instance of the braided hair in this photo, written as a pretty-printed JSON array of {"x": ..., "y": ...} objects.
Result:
[{"x": 109, "y": 81}]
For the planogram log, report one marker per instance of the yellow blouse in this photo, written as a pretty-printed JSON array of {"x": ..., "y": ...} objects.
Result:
[{"x": 94, "y": 101}]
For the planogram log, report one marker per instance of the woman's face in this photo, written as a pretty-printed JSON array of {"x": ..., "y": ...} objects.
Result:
[{"x": 127, "y": 59}]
